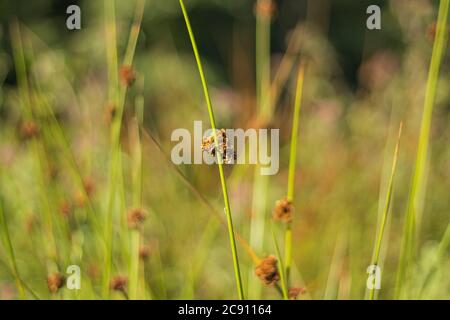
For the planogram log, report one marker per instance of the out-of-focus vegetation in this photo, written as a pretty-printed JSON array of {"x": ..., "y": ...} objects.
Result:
[{"x": 86, "y": 118}]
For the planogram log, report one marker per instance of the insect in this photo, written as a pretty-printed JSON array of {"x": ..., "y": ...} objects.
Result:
[{"x": 226, "y": 152}]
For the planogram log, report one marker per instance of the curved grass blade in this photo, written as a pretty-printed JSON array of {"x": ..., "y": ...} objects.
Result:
[{"x": 386, "y": 209}]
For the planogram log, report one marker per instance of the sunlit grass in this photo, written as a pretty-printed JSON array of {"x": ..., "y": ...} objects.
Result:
[
  {"x": 418, "y": 184},
  {"x": 68, "y": 185}
]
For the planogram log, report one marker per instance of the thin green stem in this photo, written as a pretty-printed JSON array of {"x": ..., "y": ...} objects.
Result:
[
  {"x": 263, "y": 19},
  {"x": 137, "y": 194},
  {"x": 292, "y": 163},
  {"x": 111, "y": 53},
  {"x": 117, "y": 97},
  {"x": 219, "y": 159},
  {"x": 418, "y": 186},
  {"x": 284, "y": 284},
  {"x": 386, "y": 209},
  {"x": 264, "y": 111},
  {"x": 294, "y": 132}
]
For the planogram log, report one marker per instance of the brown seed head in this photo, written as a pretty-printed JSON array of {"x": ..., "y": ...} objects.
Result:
[
  {"x": 55, "y": 281},
  {"x": 265, "y": 8},
  {"x": 89, "y": 186},
  {"x": 127, "y": 75},
  {"x": 144, "y": 252},
  {"x": 295, "y": 291},
  {"x": 119, "y": 283},
  {"x": 65, "y": 208},
  {"x": 136, "y": 217},
  {"x": 283, "y": 211},
  {"x": 267, "y": 270},
  {"x": 29, "y": 130}
]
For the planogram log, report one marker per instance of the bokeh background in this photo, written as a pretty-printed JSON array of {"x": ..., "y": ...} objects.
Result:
[{"x": 359, "y": 85}]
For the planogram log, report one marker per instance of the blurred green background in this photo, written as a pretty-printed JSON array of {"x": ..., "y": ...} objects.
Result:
[{"x": 359, "y": 85}]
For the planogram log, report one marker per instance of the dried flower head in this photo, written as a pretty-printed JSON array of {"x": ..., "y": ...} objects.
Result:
[
  {"x": 28, "y": 130},
  {"x": 119, "y": 283},
  {"x": 65, "y": 208},
  {"x": 267, "y": 270},
  {"x": 89, "y": 186},
  {"x": 55, "y": 281},
  {"x": 283, "y": 211},
  {"x": 265, "y": 8},
  {"x": 144, "y": 252},
  {"x": 136, "y": 217},
  {"x": 295, "y": 291},
  {"x": 127, "y": 75}
]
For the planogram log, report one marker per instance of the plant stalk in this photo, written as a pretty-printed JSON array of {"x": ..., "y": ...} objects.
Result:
[{"x": 237, "y": 272}]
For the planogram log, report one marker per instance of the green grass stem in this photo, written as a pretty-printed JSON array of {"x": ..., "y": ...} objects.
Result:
[
  {"x": 292, "y": 163},
  {"x": 418, "y": 185},
  {"x": 117, "y": 97},
  {"x": 282, "y": 268},
  {"x": 386, "y": 209},
  {"x": 237, "y": 272}
]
